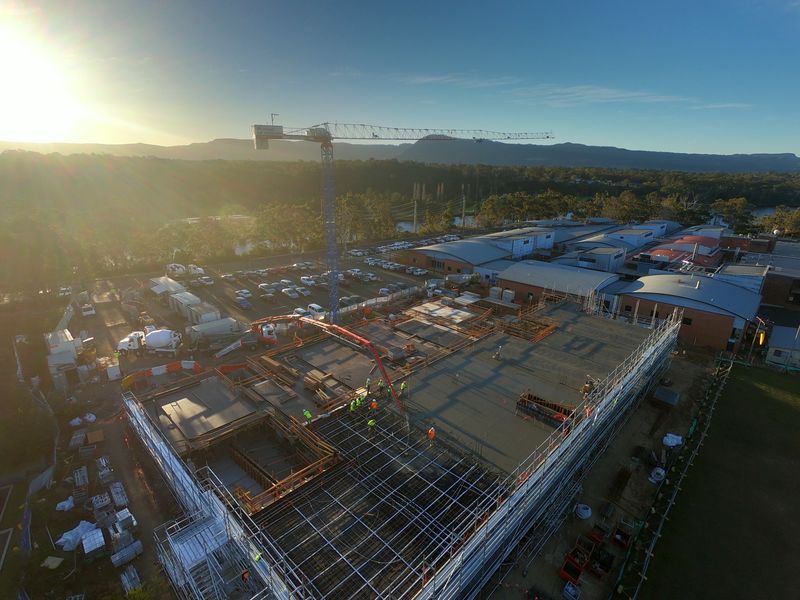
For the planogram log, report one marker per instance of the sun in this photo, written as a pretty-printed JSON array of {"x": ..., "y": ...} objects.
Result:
[{"x": 38, "y": 102}]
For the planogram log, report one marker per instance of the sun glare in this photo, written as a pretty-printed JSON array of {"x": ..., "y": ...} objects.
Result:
[{"x": 37, "y": 99}]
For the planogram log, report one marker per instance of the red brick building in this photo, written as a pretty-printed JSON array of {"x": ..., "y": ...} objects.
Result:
[{"x": 716, "y": 313}]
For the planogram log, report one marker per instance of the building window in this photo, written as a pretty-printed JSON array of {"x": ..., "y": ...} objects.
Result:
[
  {"x": 458, "y": 270},
  {"x": 651, "y": 314},
  {"x": 687, "y": 320},
  {"x": 628, "y": 308},
  {"x": 777, "y": 353},
  {"x": 449, "y": 268}
]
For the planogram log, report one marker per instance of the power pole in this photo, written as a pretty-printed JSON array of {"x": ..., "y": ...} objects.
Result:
[
  {"x": 463, "y": 206},
  {"x": 415, "y": 215}
]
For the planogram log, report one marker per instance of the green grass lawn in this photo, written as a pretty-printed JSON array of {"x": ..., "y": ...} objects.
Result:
[{"x": 734, "y": 531}]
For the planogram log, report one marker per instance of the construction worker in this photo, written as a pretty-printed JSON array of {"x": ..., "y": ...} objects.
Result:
[
  {"x": 353, "y": 406},
  {"x": 371, "y": 425},
  {"x": 431, "y": 434},
  {"x": 307, "y": 414},
  {"x": 403, "y": 388},
  {"x": 381, "y": 383},
  {"x": 366, "y": 385},
  {"x": 245, "y": 575},
  {"x": 257, "y": 557},
  {"x": 373, "y": 405}
]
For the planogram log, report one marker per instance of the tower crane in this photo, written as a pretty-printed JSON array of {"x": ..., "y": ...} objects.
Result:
[{"x": 324, "y": 134}]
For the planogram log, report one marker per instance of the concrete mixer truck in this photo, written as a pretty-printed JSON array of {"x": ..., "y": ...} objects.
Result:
[{"x": 159, "y": 341}]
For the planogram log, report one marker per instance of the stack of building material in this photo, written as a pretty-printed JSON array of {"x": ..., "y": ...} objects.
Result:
[
  {"x": 130, "y": 579},
  {"x": 104, "y": 470},
  {"x": 127, "y": 554},
  {"x": 80, "y": 485},
  {"x": 118, "y": 494}
]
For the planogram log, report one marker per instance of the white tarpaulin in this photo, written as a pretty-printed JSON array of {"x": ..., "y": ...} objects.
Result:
[
  {"x": 67, "y": 504},
  {"x": 70, "y": 540}
]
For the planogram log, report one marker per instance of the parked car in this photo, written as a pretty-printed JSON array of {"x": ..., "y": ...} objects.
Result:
[
  {"x": 290, "y": 292},
  {"x": 420, "y": 272},
  {"x": 287, "y": 283},
  {"x": 383, "y": 292},
  {"x": 64, "y": 291},
  {"x": 306, "y": 280},
  {"x": 372, "y": 277},
  {"x": 357, "y": 299},
  {"x": 194, "y": 284},
  {"x": 317, "y": 312},
  {"x": 243, "y": 303},
  {"x": 302, "y": 312},
  {"x": 303, "y": 291},
  {"x": 205, "y": 280},
  {"x": 87, "y": 310},
  {"x": 393, "y": 287},
  {"x": 268, "y": 297},
  {"x": 244, "y": 293},
  {"x": 228, "y": 277}
]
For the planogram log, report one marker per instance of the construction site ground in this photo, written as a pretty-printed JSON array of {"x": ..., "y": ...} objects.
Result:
[
  {"x": 630, "y": 499},
  {"x": 734, "y": 531}
]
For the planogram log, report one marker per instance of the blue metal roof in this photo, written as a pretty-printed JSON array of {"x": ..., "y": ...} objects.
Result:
[
  {"x": 475, "y": 251},
  {"x": 697, "y": 291},
  {"x": 556, "y": 277}
]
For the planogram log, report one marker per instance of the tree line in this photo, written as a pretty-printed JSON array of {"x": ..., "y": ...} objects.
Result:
[{"x": 69, "y": 217}]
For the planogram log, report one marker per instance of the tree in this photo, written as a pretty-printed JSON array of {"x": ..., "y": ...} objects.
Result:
[{"x": 736, "y": 212}]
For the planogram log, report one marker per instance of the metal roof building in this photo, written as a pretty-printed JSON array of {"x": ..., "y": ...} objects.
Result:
[
  {"x": 165, "y": 285},
  {"x": 475, "y": 251},
  {"x": 557, "y": 278},
  {"x": 696, "y": 291}
]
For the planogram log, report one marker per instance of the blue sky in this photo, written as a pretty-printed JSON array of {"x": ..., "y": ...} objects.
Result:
[{"x": 681, "y": 76}]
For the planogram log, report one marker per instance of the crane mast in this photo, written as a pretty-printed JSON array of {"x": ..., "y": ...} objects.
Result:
[{"x": 325, "y": 133}]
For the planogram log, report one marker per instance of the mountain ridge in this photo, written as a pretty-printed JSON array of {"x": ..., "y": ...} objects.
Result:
[{"x": 566, "y": 154}]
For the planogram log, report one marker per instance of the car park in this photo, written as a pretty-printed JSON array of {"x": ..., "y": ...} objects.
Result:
[
  {"x": 266, "y": 288},
  {"x": 228, "y": 277},
  {"x": 306, "y": 280},
  {"x": 383, "y": 292},
  {"x": 290, "y": 292},
  {"x": 420, "y": 272},
  {"x": 372, "y": 277},
  {"x": 393, "y": 287},
  {"x": 87, "y": 310},
  {"x": 243, "y": 302},
  {"x": 267, "y": 297},
  {"x": 301, "y": 312},
  {"x": 244, "y": 293},
  {"x": 205, "y": 280},
  {"x": 287, "y": 283},
  {"x": 303, "y": 291}
]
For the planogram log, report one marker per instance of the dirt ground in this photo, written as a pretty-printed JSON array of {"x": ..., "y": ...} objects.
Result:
[
  {"x": 733, "y": 532},
  {"x": 645, "y": 428}
]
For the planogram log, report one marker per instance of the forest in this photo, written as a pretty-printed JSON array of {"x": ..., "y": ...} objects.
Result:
[{"x": 68, "y": 216}]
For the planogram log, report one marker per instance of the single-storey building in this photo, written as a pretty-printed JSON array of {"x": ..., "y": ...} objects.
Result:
[
  {"x": 784, "y": 348},
  {"x": 165, "y": 285},
  {"x": 782, "y": 284},
  {"x": 530, "y": 279},
  {"x": 715, "y": 312},
  {"x": 601, "y": 258}
]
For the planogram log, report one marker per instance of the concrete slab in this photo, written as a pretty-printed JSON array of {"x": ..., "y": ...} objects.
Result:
[
  {"x": 430, "y": 332},
  {"x": 472, "y": 396}
]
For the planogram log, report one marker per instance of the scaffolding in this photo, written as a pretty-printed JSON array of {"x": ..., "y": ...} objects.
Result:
[{"x": 400, "y": 515}]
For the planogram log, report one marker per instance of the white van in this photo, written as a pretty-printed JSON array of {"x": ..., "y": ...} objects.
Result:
[{"x": 316, "y": 311}]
